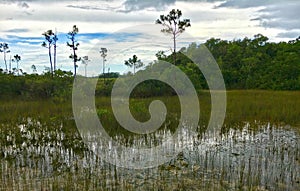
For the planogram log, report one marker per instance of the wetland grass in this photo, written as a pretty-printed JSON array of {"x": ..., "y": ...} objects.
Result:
[
  {"x": 276, "y": 107},
  {"x": 41, "y": 148},
  {"x": 242, "y": 106}
]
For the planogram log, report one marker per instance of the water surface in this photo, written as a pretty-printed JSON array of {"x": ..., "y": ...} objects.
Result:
[{"x": 39, "y": 155}]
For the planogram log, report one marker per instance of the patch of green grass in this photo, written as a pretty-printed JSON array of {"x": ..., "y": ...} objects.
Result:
[
  {"x": 242, "y": 106},
  {"x": 265, "y": 106}
]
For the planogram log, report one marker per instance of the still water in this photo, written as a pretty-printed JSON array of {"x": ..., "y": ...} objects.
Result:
[{"x": 47, "y": 156}]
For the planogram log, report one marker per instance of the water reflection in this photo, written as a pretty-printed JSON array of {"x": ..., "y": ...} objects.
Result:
[{"x": 39, "y": 156}]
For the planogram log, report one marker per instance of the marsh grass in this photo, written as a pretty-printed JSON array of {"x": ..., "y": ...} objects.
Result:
[
  {"x": 276, "y": 107},
  {"x": 41, "y": 148}
]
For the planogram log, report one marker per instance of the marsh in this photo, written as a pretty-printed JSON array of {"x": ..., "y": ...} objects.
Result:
[{"x": 259, "y": 147}]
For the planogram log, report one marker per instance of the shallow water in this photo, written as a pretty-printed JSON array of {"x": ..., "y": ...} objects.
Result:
[{"x": 41, "y": 156}]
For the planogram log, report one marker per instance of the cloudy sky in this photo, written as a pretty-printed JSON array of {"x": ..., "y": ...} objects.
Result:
[{"x": 126, "y": 27}]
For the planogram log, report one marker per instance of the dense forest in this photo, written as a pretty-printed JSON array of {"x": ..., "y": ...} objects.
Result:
[
  {"x": 249, "y": 63},
  {"x": 257, "y": 63},
  {"x": 245, "y": 63}
]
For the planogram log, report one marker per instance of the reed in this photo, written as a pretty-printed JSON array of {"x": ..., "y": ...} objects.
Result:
[{"x": 41, "y": 149}]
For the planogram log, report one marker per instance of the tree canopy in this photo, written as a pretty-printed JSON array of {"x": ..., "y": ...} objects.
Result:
[{"x": 247, "y": 63}]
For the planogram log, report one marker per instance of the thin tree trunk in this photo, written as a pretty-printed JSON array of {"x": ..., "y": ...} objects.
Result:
[
  {"x": 74, "y": 58},
  {"x": 103, "y": 69},
  {"x": 18, "y": 67},
  {"x": 174, "y": 52},
  {"x": 5, "y": 61},
  {"x": 50, "y": 58},
  {"x": 10, "y": 64},
  {"x": 54, "y": 53},
  {"x": 54, "y": 56}
]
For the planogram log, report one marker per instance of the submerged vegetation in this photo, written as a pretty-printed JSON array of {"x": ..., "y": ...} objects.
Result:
[{"x": 41, "y": 147}]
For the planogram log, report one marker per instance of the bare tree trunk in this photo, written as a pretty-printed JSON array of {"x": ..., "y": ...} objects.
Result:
[
  {"x": 10, "y": 64},
  {"x": 103, "y": 72},
  {"x": 54, "y": 56},
  {"x": 74, "y": 57},
  {"x": 50, "y": 58},
  {"x": 5, "y": 60},
  {"x": 174, "y": 51},
  {"x": 54, "y": 53},
  {"x": 18, "y": 67}
]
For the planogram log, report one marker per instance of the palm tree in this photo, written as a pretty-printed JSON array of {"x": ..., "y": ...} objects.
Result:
[
  {"x": 5, "y": 49},
  {"x": 48, "y": 44},
  {"x": 103, "y": 53},
  {"x": 17, "y": 59},
  {"x": 134, "y": 62}
]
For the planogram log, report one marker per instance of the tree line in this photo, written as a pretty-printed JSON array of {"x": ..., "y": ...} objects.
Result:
[
  {"x": 248, "y": 63},
  {"x": 245, "y": 64},
  {"x": 257, "y": 63}
]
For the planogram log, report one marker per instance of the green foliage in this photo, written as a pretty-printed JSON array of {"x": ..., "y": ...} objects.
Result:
[
  {"x": 33, "y": 86},
  {"x": 150, "y": 88},
  {"x": 104, "y": 87},
  {"x": 257, "y": 63},
  {"x": 186, "y": 65},
  {"x": 246, "y": 64},
  {"x": 110, "y": 75}
]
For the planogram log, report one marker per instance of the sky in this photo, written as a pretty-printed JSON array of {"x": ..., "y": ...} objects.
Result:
[{"x": 127, "y": 27}]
